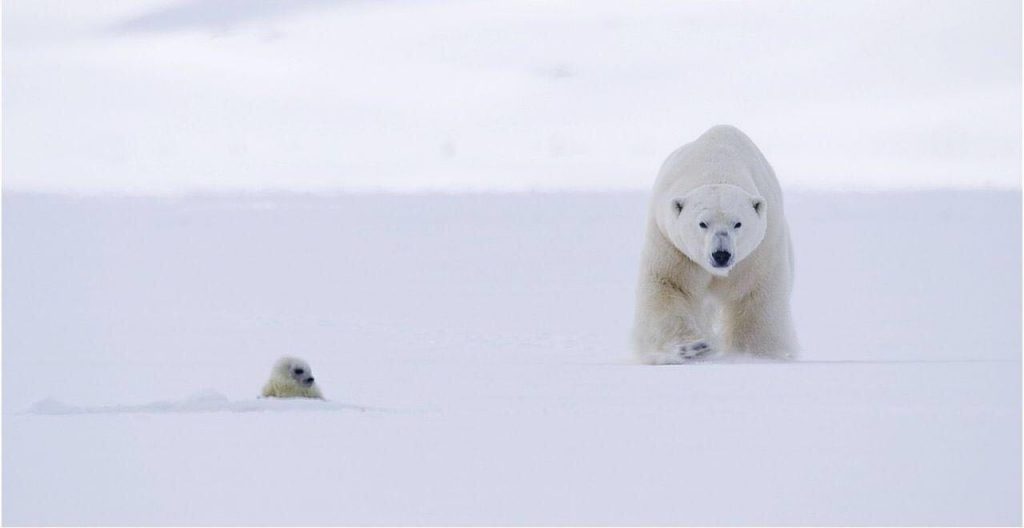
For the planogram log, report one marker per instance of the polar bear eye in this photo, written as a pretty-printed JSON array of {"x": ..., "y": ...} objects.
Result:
[
  {"x": 703, "y": 225},
  {"x": 299, "y": 372},
  {"x": 738, "y": 225}
]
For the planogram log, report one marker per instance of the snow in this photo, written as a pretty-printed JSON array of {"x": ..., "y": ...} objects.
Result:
[
  {"x": 473, "y": 351},
  {"x": 205, "y": 401}
]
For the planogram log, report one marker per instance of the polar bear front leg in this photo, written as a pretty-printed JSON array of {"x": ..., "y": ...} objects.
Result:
[
  {"x": 669, "y": 326},
  {"x": 760, "y": 323}
]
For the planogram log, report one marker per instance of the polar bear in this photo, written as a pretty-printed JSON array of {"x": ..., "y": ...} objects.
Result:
[
  {"x": 291, "y": 378},
  {"x": 717, "y": 256}
]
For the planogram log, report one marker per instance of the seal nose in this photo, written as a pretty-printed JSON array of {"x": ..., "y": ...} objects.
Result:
[
  {"x": 308, "y": 381},
  {"x": 721, "y": 258}
]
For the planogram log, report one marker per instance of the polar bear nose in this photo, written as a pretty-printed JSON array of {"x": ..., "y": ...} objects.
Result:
[{"x": 721, "y": 258}]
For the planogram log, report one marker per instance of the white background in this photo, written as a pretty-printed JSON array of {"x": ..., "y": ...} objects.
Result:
[{"x": 181, "y": 96}]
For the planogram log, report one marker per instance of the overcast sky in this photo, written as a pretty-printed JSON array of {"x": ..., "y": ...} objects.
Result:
[{"x": 199, "y": 95}]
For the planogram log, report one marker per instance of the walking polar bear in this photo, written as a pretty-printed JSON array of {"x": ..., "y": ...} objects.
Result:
[{"x": 717, "y": 266}]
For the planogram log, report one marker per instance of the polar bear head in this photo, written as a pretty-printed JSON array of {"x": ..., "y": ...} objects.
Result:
[{"x": 717, "y": 225}]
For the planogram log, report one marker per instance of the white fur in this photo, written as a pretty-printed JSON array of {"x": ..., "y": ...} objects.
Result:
[
  {"x": 291, "y": 378},
  {"x": 682, "y": 297}
]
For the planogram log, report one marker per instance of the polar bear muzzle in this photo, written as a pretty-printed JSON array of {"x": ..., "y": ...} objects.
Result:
[
  {"x": 721, "y": 250},
  {"x": 721, "y": 258}
]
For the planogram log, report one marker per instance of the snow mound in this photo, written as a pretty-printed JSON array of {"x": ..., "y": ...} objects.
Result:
[{"x": 202, "y": 402}]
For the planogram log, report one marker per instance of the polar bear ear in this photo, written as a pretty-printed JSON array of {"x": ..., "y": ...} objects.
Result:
[
  {"x": 677, "y": 206},
  {"x": 758, "y": 204}
]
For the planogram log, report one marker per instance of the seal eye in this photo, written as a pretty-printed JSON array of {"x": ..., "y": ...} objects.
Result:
[
  {"x": 703, "y": 225},
  {"x": 738, "y": 225},
  {"x": 299, "y": 372}
]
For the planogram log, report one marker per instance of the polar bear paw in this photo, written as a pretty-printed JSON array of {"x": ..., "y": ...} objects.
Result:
[
  {"x": 693, "y": 350},
  {"x": 678, "y": 353}
]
